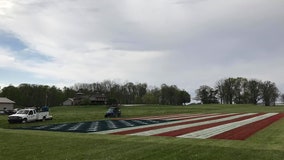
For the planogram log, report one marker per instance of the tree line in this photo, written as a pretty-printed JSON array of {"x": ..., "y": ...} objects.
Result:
[
  {"x": 239, "y": 91},
  {"x": 226, "y": 91},
  {"x": 29, "y": 95},
  {"x": 138, "y": 93}
]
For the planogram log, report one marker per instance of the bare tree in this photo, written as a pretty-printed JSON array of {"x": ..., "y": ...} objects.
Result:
[{"x": 220, "y": 90}]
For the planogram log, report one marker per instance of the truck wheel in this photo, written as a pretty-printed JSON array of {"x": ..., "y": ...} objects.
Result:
[
  {"x": 43, "y": 119},
  {"x": 25, "y": 120}
]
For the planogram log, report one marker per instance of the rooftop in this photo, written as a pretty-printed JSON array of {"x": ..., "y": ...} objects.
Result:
[{"x": 5, "y": 100}]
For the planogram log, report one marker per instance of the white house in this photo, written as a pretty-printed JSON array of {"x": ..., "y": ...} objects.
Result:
[
  {"x": 6, "y": 103},
  {"x": 68, "y": 102}
]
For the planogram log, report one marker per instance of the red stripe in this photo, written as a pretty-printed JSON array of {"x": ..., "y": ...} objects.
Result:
[
  {"x": 193, "y": 129},
  {"x": 169, "y": 125},
  {"x": 160, "y": 117},
  {"x": 246, "y": 131},
  {"x": 169, "y": 116}
]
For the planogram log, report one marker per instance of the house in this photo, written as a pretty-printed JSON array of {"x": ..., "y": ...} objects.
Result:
[
  {"x": 98, "y": 99},
  {"x": 82, "y": 99},
  {"x": 68, "y": 102},
  {"x": 6, "y": 104}
]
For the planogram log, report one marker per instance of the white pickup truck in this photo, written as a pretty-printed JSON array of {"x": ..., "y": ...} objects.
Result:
[{"x": 29, "y": 115}]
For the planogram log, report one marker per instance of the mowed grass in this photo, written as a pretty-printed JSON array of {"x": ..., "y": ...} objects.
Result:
[{"x": 26, "y": 144}]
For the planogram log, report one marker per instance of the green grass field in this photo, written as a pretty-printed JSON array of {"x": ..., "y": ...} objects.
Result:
[{"x": 27, "y": 144}]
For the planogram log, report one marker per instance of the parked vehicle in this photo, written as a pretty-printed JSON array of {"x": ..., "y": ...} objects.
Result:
[
  {"x": 29, "y": 115},
  {"x": 113, "y": 112},
  {"x": 9, "y": 112}
]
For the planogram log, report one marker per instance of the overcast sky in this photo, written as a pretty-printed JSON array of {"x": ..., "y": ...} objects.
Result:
[{"x": 187, "y": 43}]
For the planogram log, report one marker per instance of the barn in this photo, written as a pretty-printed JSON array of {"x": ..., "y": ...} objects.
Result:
[{"x": 6, "y": 103}]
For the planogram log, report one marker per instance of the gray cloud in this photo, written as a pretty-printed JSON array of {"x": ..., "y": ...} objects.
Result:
[{"x": 183, "y": 42}]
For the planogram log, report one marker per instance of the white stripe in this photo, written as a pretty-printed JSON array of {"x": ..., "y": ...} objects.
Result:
[
  {"x": 110, "y": 124},
  {"x": 161, "y": 117},
  {"x": 173, "y": 128},
  {"x": 186, "y": 117},
  {"x": 41, "y": 127},
  {"x": 94, "y": 126},
  {"x": 173, "y": 117},
  {"x": 126, "y": 123},
  {"x": 161, "y": 124},
  {"x": 153, "y": 121},
  {"x": 58, "y": 126},
  {"x": 210, "y": 132},
  {"x": 74, "y": 128},
  {"x": 140, "y": 122}
]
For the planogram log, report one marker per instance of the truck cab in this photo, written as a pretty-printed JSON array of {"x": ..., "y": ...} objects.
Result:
[{"x": 32, "y": 115}]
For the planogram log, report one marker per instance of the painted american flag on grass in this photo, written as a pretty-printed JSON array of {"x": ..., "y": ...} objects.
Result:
[{"x": 233, "y": 126}]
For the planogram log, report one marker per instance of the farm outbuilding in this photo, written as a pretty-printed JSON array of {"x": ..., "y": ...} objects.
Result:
[
  {"x": 6, "y": 103},
  {"x": 68, "y": 102}
]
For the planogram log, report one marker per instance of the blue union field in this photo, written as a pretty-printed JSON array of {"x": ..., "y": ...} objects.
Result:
[{"x": 96, "y": 126}]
